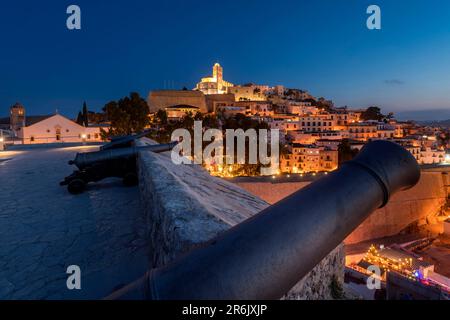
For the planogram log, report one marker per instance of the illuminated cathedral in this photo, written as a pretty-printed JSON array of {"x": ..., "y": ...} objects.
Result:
[{"x": 214, "y": 84}]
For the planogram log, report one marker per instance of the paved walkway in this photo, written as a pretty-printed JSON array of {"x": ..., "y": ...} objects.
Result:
[{"x": 44, "y": 229}]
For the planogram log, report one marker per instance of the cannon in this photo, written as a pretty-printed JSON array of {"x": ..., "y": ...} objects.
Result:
[
  {"x": 115, "y": 159},
  {"x": 124, "y": 141},
  {"x": 263, "y": 257}
]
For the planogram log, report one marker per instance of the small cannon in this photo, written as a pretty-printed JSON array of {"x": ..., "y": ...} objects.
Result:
[
  {"x": 124, "y": 141},
  {"x": 115, "y": 159},
  {"x": 265, "y": 256}
]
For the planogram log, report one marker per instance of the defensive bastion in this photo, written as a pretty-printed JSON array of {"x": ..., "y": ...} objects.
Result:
[{"x": 185, "y": 207}]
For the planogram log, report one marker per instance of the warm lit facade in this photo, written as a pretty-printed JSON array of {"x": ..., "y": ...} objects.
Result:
[
  {"x": 259, "y": 108},
  {"x": 177, "y": 112},
  {"x": 363, "y": 131},
  {"x": 58, "y": 129},
  {"x": 301, "y": 108},
  {"x": 320, "y": 122},
  {"x": 215, "y": 83},
  {"x": 431, "y": 156},
  {"x": 162, "y": 99},
  {"x": 309, "y": 158},
  {"x": 345, "y": 118},
  {"x": 247, "y": 93},
  {"x": 230, "y": 111}
]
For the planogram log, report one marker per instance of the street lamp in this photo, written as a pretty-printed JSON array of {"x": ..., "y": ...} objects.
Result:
[{"x": 83, "y": 138}]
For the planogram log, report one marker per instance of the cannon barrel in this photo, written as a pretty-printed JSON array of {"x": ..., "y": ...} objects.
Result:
[
  {"x": 266, "y": 255},
  {"x": 83, "y": 160}
]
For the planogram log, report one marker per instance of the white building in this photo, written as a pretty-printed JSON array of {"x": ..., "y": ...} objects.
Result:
[
  {"x": 58, "y": 129},
  {"x": 49, "y": 129}
]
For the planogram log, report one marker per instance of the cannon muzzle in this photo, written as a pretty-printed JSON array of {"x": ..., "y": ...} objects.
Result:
[
  {"x": 266, "y": 255},
  {"x": 83, "y": 160}
]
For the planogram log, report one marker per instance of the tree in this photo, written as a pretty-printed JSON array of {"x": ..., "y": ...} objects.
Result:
[
  {"x": 372, "y": 113},
  {"x": 128, "y": 115},
  {"x": 161, "y": 118},
  {"x": 80, "y": 119},
  {"x": 444, "y": 139},
  {"x": 85, "y": 115}
]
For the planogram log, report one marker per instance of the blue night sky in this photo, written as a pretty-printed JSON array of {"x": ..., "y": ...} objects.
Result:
[{"x": 322, "y": 46}]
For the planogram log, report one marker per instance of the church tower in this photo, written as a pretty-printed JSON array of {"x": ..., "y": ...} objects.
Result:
[
  {"x": 17, "y": 117},
  {"x": 218, "y": 73}
]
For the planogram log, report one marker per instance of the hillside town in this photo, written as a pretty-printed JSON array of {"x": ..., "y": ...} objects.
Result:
[{"x": 316, "y": 136}]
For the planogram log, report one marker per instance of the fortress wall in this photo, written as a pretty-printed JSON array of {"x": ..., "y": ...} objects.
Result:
[
  {"x": 404, "y": 208},
  {"x": 168, "y": 98},
  {"x": 272, "y": 192},
  {"x": 425, "y": 199},
  {"x": 185, "y": 207}
]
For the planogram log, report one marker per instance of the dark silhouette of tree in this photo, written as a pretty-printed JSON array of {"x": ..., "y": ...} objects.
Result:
[
  {"x": 85, "y": 115},
  {"x": 160, "y": 118},
  {"x": 128, "y": 115},
  {"x": 80, "y": 119},
  {"x": 372, "y": 113}
]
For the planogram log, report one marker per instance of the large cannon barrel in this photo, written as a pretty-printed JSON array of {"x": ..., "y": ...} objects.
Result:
[
  {"x": 266, "y": 255},
  {"x": 83, "y": 160}
]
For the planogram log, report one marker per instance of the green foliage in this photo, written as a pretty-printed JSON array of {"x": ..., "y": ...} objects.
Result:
[{"x": 128, "y": 115}]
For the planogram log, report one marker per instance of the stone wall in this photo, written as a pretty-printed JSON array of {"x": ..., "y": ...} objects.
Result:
[
  {"x": 185, "y": 207},
  {"x": 159, "y": 100},
  {"x": 404, "y": 208}
]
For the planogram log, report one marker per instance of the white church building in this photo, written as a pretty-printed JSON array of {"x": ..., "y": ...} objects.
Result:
[{"x": 49, "y": 129}]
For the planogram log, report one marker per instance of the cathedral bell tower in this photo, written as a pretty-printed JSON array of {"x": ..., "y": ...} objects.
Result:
[{"x": 17, "y": 117}]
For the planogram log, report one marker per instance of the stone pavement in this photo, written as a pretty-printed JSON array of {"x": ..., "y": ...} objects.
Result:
[{"x": 44, "y": 229}]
